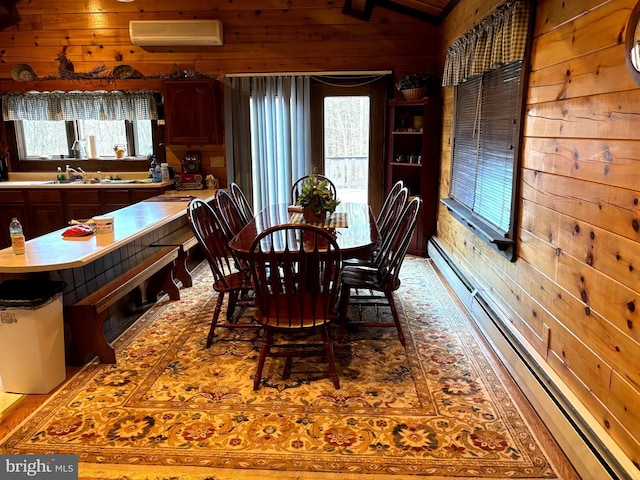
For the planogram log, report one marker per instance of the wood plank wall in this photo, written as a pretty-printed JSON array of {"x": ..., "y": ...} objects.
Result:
[
  {"x": 578, "y": 265},
  {"x": 259, "y": 36}
]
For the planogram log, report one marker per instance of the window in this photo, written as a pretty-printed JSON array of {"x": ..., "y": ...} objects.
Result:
[
  {"x": 486, "y": 67},
  {"x": 485, "y": 152},
  {"x": 346, "y": 145},
  {"x": 40, "y": 139},
  {"x": 281, "y": 112},
  {"x": 47, "y": 124}
]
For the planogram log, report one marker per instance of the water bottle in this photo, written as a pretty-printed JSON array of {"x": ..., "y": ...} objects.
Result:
[
  {"x": 157, "y": 174},
  {"x": 17, "y": 237},
  {"x": 164, "y": 168}
]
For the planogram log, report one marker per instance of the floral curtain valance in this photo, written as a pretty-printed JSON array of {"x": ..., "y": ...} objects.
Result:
[
  {"x": 114, "y": 105},
  {"x": 498, "y": 39}
]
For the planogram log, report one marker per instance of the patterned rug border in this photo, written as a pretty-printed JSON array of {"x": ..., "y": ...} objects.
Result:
[{"x": 484, "y": 361}]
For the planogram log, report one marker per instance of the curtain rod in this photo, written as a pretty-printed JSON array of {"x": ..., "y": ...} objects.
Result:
[{"x": 310, "y": 74}]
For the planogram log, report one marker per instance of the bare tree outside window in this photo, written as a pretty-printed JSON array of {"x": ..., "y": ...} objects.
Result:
[
  {"x": 346, "y": 145},
  {"x": 51, "y": 139},
  {"x": 45, "y": 138}
]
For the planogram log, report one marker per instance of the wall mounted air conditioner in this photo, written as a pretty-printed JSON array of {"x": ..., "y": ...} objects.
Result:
[{"x": 175, "y": 33}]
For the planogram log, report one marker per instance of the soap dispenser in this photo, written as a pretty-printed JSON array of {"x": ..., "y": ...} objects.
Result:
[{"x": 78, "y": 149}]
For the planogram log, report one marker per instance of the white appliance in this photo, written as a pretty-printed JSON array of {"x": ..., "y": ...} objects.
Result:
[
  {"x": 32, "y": 358},
  {"x": 175, "y": 33}
]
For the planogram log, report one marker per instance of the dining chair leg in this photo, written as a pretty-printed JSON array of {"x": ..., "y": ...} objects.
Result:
[
  {"x": 288, "y": 366},
  {"x": 231, "y": 305},
  {"x": 264, "y": 350},
  {"x": 396, "y": 319},
  {"x": 328, "y": 349},
  {"x": 214, "y": 319}
]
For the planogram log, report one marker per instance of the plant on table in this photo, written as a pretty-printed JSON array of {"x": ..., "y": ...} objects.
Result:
[{"x": 316, "y": 197}]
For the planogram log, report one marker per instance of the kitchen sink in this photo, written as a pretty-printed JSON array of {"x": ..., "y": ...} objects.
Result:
[
  {"x": 80, "y": 182},
  {"x": 119, "y": 181},
  {"x": 53, "y": 182}
]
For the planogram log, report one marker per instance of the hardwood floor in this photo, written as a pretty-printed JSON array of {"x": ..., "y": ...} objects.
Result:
[{"x": 12, "y": 415}]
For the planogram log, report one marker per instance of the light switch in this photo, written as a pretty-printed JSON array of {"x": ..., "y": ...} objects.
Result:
[{"x": 216, "y": 161}]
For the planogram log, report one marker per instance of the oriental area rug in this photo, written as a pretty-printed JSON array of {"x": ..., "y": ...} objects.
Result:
[{"x": 172, "y": 409}]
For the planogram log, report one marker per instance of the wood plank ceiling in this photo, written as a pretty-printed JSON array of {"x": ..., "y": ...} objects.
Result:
[{"x": 432, "y": 11}]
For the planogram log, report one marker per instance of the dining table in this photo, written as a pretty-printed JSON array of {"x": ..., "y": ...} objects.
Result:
[{"x": 353, "y": 225}]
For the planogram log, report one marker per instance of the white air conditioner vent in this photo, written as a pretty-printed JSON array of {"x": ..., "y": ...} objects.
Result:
[{"x": 175, "y": 33}]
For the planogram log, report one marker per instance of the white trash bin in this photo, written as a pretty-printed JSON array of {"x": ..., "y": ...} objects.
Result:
[{"x": 31, "y": 336}]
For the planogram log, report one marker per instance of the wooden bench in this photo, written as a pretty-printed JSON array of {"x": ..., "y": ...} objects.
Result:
[
  {"x": 86, "y": 317},
  {"x": 185, "y": 240}
]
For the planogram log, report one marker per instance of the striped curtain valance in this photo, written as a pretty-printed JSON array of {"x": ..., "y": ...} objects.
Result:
[
  {"x": 498, "y": 39},
  {"x": 76, "y": 105}
]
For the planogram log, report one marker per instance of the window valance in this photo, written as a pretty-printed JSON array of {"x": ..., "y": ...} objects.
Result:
[
  {"x": 76, "y": 105},
  {"x": 498, "y": 39}
]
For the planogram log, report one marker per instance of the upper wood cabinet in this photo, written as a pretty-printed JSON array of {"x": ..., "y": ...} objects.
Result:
[{"x": 192, "y": 111}]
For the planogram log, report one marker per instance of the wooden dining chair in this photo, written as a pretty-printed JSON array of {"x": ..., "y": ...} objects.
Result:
[
  {"x": 231, "y": 218},
  {"x": 296, "y": 188},
  {"x": 383, "y": 278},
  {"x": 228, "y": 278},
  {"x": 230, "y": 213},
  {"x": 241, "y": 199},
  {"x": 386, "y": 214},
  {"x": 394, "y": 205},
  {"x": 299, "y": 296}
]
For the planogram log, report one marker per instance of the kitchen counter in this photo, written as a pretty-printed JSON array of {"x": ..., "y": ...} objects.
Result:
[
  {"x": 52, "y": 251},
  {"x": 104, "y": 184},
  {"x": 47, "y": 180}
]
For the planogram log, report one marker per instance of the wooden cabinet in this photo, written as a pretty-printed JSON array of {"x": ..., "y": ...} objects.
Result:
[
  {"x": 81, "y": 204},
  {"x": 12, "y": 205},
  {"x": 45, "y": 211},
  {"x": 192, "y": 110},
  {"x": 413, "y": 156},
  {"x": 114, "y": 199},
  {"x": 138, "y": 195}
]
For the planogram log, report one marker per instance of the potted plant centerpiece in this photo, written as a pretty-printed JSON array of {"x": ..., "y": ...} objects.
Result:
[
  {"x": 416, "y": 85},
  {"x": 119, "y": 149},
  {"x": 316, "y": 199}
]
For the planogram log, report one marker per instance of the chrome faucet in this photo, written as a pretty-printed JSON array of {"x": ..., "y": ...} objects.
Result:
[{"x": 74, "y": 174}]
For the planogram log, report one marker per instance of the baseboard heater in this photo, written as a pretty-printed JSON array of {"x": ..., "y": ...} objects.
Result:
[{"x": 592, "y": 453}]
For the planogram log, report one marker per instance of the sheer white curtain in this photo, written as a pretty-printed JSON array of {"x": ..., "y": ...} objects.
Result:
[{"x": 280, "y": 135}]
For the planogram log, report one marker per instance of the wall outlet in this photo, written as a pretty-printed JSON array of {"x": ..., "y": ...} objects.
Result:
[{"x": 546, "y": 334}]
